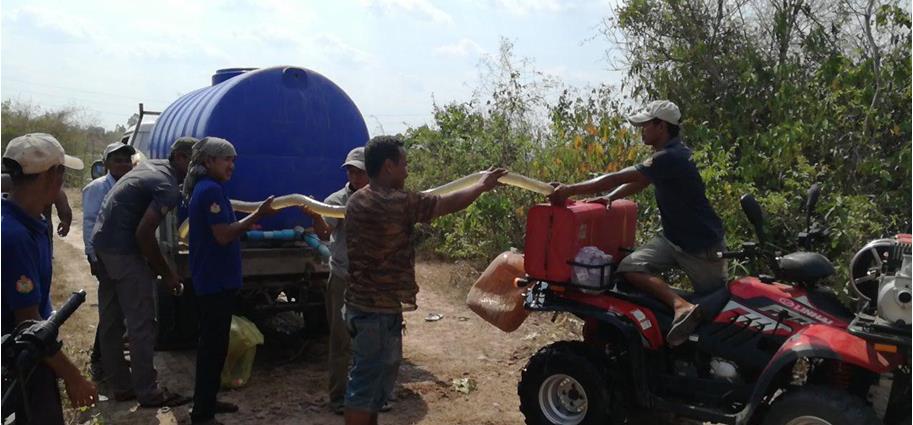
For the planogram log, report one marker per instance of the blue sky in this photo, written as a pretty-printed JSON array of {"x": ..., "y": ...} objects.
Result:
[{"x": 393, "y": 57}]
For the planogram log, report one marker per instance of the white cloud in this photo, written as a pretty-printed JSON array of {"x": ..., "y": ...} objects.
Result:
[
  {"x": 462, "y": 48},
  {"x": 53, "y": 20},
  {"x": 422, "y": 9},
  {"x": 524, "y": 7},
  {"x": 273, "y": 36},
  {"x": 342, "y": 52},
  {"x": 295, "y": 13}
]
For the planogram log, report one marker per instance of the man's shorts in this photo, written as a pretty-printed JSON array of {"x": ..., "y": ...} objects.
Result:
[
  {"x": 706, "y": 272},
  {"x": 377, "y": 349}
]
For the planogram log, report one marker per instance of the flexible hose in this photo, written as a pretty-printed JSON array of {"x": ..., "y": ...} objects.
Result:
[{"x": 338, "y": 211}]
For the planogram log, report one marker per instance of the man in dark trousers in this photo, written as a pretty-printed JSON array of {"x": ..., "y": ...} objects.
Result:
[
  {"x": 215, "y": 264},
  {"x": 125, "y": 243},
  {"x": 692, "y": 232},
  {"x": 117, "y": 160},
  {"x": 334, "y": 230},
  {"x": 36, "y": 164}
]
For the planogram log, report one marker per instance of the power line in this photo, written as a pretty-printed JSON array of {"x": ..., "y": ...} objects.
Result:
[
  {"x": 56, "y": 105},
  {"x": 69, "y": 97},
  {"x": 83, "y": 90},
  {"x": 168, "y": 102}
]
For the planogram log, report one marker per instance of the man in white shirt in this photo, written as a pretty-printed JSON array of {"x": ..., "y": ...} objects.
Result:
[{"x": 117, "y": 159}]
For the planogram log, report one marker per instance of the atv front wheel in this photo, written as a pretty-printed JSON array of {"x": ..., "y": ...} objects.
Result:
[
  {"x": 565, "y": 384},
  {"x": 814, "y": 405}
]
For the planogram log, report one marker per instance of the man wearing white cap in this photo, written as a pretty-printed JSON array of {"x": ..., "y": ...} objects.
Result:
[
  {"x": 36, "y": 164},
  {"x": 692, "y": 232},
  {"x": 117, "y": 160},
  {"x": 333, "y": 229}
]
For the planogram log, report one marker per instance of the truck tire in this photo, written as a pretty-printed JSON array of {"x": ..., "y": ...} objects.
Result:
[
  {"x": 565, "y": 383},
  {"x": 814, "y": 405}
]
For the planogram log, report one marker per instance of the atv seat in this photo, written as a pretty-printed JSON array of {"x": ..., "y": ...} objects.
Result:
[{"x": 712, "y": 302}]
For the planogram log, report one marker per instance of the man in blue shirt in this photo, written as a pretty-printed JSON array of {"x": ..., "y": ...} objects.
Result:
[
  {"x": 36, "y": 164},
  {"x": 692, "y": 232},
  {"x": 215, "y": 265},
  {"x": 118, "y": 161}
]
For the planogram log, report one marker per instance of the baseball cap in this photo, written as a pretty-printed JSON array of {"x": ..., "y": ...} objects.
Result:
[
  {"x": 657, "y": 109},
  {"x": 356, "y": 158},
  {"x": 38, "y": 152},
  {"x": 117, "y": 146},
  {"x": 184, "y": 144}
]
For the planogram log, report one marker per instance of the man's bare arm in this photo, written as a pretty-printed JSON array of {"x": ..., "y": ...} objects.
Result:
[
  {"x": 80, "y": 391},
  {"x": 626, "y": 190},
  {"x": 64, "y": 213},
  {"x": 148, "y": 246},
  {"x": 461, "y": 199},
  {"x": 599, "y": 184}
]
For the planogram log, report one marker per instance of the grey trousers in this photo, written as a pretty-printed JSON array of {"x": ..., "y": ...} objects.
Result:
[
  {"x": 707, "y": 273},
  {"x": 340, "y": 343},
  {"x": 128, "y": 295}
]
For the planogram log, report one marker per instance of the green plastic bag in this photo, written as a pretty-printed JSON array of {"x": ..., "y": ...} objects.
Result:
[{"x": 242, "y": 346}]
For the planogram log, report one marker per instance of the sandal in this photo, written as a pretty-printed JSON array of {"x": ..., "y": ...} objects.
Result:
[{"x": 683, "y": 326}]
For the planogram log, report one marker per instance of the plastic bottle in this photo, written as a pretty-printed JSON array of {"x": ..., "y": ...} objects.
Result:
[{"x": 495, "y": 297}]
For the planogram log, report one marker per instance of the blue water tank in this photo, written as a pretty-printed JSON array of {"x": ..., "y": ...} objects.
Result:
[{"x": 292, "y": 128}]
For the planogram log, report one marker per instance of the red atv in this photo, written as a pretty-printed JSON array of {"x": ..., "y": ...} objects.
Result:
[{"x": 775, "y": 349}]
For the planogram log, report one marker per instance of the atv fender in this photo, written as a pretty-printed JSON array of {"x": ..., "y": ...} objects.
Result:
[
  {"x": 618, "y": 321},
  {"x": 825, "y": 342}
]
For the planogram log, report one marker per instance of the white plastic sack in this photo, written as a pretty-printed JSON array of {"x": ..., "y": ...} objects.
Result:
[{"x": 590, "y": 276}]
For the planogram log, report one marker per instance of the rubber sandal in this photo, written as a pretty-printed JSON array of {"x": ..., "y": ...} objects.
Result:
[{"x": 683, "y": 326}]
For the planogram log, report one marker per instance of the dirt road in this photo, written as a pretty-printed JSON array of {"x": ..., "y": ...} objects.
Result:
[{"x": 460, "y": 345}]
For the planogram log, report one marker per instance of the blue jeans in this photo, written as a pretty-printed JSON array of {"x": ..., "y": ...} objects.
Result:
[{"x": 377, "y": 350}]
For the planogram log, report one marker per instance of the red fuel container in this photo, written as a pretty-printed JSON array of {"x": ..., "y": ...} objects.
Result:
[{"x": 554, "y": 235}]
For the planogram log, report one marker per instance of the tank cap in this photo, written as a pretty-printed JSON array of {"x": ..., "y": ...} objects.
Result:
[
  {"x": 226, "y": 73},
  {"x": 294, "y": 77}
]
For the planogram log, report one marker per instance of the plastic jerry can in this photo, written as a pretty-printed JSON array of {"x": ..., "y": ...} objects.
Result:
[
  {"x": 555, "y": 234},
  {"x": 495, "y": 298}
]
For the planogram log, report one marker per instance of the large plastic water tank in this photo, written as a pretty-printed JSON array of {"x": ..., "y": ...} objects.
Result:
[{"x": 292, "y": 128}]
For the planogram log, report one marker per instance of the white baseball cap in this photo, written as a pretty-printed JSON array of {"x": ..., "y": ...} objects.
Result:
[
  {"x": 38, "y": 152},
  {"x": 657, "y": 109}
]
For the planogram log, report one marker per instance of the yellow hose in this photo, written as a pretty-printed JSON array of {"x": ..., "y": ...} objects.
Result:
[
  {"x": 510, "y": 179},
  {"x": 293, "y": 200},
  {"x": 337, "y": 211}
]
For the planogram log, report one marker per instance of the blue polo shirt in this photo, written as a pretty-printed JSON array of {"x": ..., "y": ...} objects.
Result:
[
  {"x": 214, "y": 267},
  {"x": 26, "y": 271},
  {"x": 688, "y": 219}
]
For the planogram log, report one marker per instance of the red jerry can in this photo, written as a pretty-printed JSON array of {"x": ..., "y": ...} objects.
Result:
[{"x": 554, "y": 235}]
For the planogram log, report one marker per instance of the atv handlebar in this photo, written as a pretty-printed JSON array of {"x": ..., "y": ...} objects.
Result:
[
  {"x": 749, "y": 250},
  {"x": 730, "y": 255}
]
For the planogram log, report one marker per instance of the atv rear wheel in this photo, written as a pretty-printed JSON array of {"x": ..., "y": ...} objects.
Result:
[
  {"x": 814, "y": 405},
  {"x": 565, "y": 383}
]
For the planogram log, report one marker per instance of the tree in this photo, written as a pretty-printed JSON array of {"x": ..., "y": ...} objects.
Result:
[{"x": 791, "y": 92}]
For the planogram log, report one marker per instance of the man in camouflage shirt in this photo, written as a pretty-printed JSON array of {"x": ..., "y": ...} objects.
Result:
[{"x": 380, "y": 221}]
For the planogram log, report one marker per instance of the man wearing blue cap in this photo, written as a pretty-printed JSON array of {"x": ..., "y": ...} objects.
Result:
[{"x": 118, "y": 161}]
